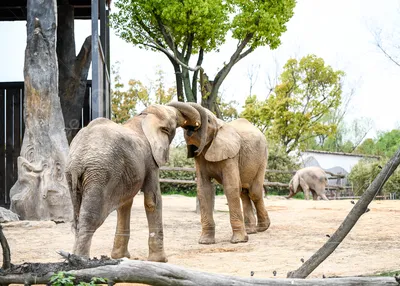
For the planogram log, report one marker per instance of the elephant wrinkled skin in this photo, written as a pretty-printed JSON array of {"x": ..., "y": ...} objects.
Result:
[
  {"x": 109, "y": 163},
  {"x": 235, "y": 154},
  {"x": 309, "y": 179}
]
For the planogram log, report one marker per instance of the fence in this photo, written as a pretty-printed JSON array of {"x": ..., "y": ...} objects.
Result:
[
  {"x": 332, "y": 190},
  {"x": 12, "y": 129}
]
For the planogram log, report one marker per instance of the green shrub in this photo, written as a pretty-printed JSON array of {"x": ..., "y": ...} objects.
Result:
[
  {"x": 65, "y": 279},
  {"x": 365, "y": 171}
]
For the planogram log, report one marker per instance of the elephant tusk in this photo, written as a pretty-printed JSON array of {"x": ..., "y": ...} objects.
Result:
[
  {"x": 185, "y": 122},
  {"x": 197, "y": 124}
]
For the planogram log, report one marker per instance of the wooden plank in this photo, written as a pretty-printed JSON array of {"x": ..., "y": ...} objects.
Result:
[
  {"x": 9, "y": 145},
  {"x": 2, "y": 145},
  {"x": 333, "y": 176}
]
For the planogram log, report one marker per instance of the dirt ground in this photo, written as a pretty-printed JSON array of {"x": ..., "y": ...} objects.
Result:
[{"x": 298, "y": 229}]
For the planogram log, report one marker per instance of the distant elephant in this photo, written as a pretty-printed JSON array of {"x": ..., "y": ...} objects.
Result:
[
  {"x": 109, "y": 163},
  {"x": 309, "y": 179},
  {"x": 235, "y": 154}
]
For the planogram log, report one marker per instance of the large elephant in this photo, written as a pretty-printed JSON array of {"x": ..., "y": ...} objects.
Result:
[
  {"x": 235, "y": 154},
  {"x": 109, "y": 163},
  {"x": 309, "y": 179}
]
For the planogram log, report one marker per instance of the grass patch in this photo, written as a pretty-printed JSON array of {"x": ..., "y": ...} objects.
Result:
[{"x": 388, "y": 273}]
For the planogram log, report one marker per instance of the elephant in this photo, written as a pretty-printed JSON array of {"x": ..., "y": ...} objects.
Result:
[
  {"x": 235, "y": 155},
  {"x": 309, "y": 179},
  {"x": 108, "y": 163}
]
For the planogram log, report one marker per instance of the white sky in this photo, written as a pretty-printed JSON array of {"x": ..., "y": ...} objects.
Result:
[{"x": 339, "y": 31}]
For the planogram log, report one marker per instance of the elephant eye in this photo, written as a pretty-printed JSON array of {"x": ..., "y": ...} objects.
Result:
[{"x": 165, "y": 130}]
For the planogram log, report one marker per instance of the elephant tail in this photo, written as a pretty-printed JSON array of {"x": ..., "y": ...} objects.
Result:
[{"x": 76, "y": 197}]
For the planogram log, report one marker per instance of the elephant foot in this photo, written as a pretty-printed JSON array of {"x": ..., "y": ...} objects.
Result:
[
  {"x": 206, "y": 239},
  {"x": 251, "y": 229},
  {"x": 263, "y": 226},
  {"x": 116, "y": 254},
  {"x": 239, "y": 237},
  {"x": 157, "y": 257}
]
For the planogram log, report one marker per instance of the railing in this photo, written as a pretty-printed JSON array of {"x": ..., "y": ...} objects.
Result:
[{"x": 266, "y": 183}]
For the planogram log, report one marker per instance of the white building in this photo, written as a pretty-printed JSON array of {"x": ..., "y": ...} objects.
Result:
[{"x": 334, "y": 162}]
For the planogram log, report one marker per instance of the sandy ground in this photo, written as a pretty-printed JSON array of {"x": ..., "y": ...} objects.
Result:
[{"x": 298, "y": 229}]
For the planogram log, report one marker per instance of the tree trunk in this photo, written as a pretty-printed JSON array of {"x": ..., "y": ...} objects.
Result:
[
  {"x": 351, "y": 219},
  {"x": 41, "y": 191},
  {"x": 178, "y": 78},
  {"x": 155, "y": 273},
  {"x": 187, "y": 85},
  {"x": 73, "y": 70}
]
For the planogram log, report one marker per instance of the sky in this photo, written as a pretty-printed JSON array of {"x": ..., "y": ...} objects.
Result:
[{"x": 339, "y": 31}]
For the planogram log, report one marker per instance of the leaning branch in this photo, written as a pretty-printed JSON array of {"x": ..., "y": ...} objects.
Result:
[{"x": 351, "y": 219}]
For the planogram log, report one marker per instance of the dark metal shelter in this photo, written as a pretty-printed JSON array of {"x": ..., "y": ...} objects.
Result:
[{"x": 97, "y": 99}]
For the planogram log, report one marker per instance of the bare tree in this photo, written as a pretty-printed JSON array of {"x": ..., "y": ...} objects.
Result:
[{"x": 252, "y": 75}]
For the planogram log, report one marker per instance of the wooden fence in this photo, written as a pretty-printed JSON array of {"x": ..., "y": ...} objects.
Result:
[
  {"x": 12, "y": 129},
  {"x": 330, "y": 188}
]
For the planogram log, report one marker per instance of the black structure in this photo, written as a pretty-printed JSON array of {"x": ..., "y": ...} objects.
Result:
[{"x": 97, "y": 98}]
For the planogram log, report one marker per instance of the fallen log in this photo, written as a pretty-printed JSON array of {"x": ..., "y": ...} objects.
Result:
[{"x": 155, "y": 273}]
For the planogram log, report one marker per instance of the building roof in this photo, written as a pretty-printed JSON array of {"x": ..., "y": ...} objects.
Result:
[
  {"x": 15, "y": 10},
  {"x": 342, "y": 154}
]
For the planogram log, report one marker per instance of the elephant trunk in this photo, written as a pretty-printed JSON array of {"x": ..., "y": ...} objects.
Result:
[
  {"x": 203, "y": 128},
  {"x": 187, "y": 115}
]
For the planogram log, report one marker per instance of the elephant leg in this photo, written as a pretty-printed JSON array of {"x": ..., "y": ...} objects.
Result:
[
  {"x": 122, "y": 233},
  {"x": 256, "y": 195},
  {"x": 91, "y": 216},
  {"x": 305, "y": 189},
  {"x": 322, "y": 195},
  {"x": 314, "y": 195},
  {"x": 206, "y": 196},
  {"x": 153, "y": 207},
  {"x": 249, "y": 217},
  {"x": 231, "y": 183}
]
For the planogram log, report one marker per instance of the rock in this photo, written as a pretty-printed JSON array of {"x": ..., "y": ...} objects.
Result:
[
  {"x": 30, "y": 224},
  {"x": 7, "y": 215}
]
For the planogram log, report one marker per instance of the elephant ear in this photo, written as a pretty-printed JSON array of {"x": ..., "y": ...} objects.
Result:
[
  {"x": 225, "y": 145},
  {"x": 159, "y": 141}
]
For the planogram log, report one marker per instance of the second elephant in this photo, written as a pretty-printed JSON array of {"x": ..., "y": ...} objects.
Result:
[
  {"x": 309, "y": 179},
  {"x": 235, "y": 154}
]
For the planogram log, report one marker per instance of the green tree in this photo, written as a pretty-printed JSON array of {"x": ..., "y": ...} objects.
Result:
[
  {"x": 307, "y": 90},
  {"x": 385, "y": 145},
  {"x": 125, "y": 103},
  {"x": 183, "y": 28}
]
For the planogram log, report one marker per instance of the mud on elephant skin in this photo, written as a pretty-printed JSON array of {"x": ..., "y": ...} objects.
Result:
[
  {"x": 109, "y": 163},
  {"x": 309, "y": 180},
  {"x": 235, "y": 154}
]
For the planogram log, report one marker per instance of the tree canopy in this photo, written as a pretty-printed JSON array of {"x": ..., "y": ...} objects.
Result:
[
  {"x": 180, "y": 29},
  {"x": 307, "y": 90},
  {"x": 385, "y": 145}
]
